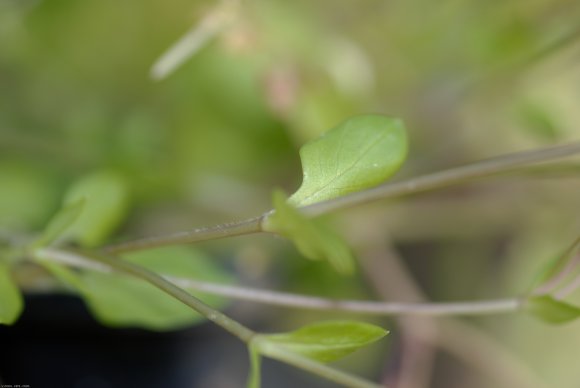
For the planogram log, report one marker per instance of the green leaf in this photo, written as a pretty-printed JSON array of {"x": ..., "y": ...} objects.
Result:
[
  {"x": 359, "y": 153},
  {"x": 106, "y": 195},
  {"x": 11, "y": 301},
  {"x": 60, "y": 222},
  {"x": 551, "y": 310},
  {"x": 122, "y": 301},
  {"x": 327, "y": 341},
  {"x": 312, "y": 238}
]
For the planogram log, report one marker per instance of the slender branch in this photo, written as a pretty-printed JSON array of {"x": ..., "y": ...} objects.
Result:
[
  {"x": 235, "y": 328},
  {"x": 390, "y": 190},
  {"x": 444, "y": 178},
  {"x": 354, "y": 306},
  {"x": 250, "y": 226},
  {"x": 308, "y": 302},
  {"x": 213, "y": 23},
  {"x": 97, "y": 262}
]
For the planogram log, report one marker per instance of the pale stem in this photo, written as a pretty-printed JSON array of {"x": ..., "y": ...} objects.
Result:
[
  {"x": 250, "y": 226},
  {"x": 309, "y": 302}
]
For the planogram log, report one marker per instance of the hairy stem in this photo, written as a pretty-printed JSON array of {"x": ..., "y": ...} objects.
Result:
[{"x": 250, "y": 226}]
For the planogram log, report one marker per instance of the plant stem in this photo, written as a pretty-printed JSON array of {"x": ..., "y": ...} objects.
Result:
[
  {"x": 122, "y": 266},
  {"x": 411, "y": 186},
  {"x": 249, "y": 226},
  {"x": 444, "y": 178},
  {"x": 98, "y": 261},
  {"x": 310, "y": 302},
  {"x": 275, "y": 352}
]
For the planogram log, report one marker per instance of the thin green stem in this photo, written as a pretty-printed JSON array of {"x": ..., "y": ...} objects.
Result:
[
  {"x": 276, "y": 352},
  {"x": 444, "y": 178},
  {"x": 255, "y": 378},
  {"x": 122, "y": 266},
  {"x": 250, "y": 226}
]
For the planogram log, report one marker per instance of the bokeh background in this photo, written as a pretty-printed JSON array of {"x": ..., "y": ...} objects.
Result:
[{"x": 206, "y": 140}]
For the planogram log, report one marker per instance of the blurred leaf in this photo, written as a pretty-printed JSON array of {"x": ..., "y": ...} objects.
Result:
[
  {"x": 106, "y": 204},
  {"x": 11, "y": 301},
  {"x": 63, "y": 273},
  {"x": 312, "y": 238},
  {"x": 357, "y": 154},
  {"x": 60, "y": 222},
  {"x": 122, "y": 301},
  {"x": 28, "y": 195},
  {"x": 551, "y": 310},
  {"x": 328, "y": 341},
  {"x": 216, "y": 21},
  {"x": 539, "y": 122}
]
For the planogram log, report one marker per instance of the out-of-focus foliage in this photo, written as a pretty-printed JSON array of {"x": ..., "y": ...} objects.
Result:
[
  {"x": 11, "y": 300},
  {"x": 209, "y": 142},
  {"x": 106, "y": 200},
  {"x": 120, "y": 301}
]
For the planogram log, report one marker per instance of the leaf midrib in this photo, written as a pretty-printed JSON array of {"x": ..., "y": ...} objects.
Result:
[{"x": 339, "y": 175}]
